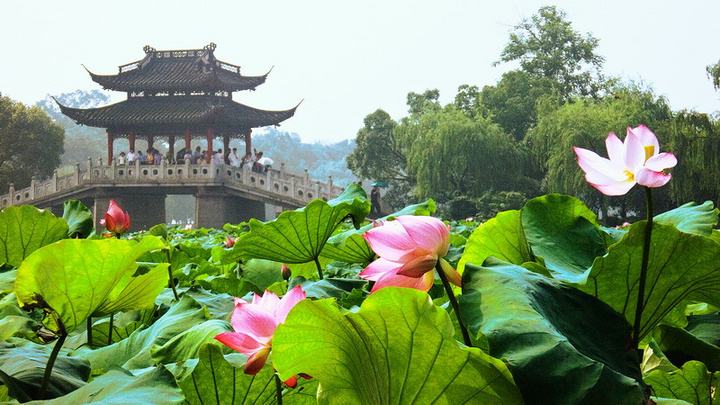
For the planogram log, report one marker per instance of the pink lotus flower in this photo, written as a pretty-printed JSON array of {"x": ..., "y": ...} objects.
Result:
[
  {"x": 637, "y": 160},
  {"x": 116, "y": 219},
  {"x": 409, "y": 248},
  {"x": 229, "y": 242},
  {"x": 255, "y": 323}
]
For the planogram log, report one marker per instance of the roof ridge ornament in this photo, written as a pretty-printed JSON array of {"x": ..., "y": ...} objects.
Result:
[
  {"x": 148, "y": 49},
  {"x": 210, "y": 47}
]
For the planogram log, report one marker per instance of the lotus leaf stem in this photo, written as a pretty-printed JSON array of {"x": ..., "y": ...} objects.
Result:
[
  {"x": 278, "y": 389},
  {"x": 319, "y": 268},
  {"x": 62, "y": 335},
  {"x": 110, "y": 329},
  {"x": 89, "y": 330},
  {"x": 639, "y": 306}
]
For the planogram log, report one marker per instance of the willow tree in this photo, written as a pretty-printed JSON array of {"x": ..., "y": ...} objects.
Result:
[
  {"x": 695, "y": 140},
  {"x": 450, "y": 153},
  {"x": 586, "y": 123}
]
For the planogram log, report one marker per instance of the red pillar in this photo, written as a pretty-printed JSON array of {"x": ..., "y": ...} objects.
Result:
[
  {"x": 151, "y": 141},
  {"x": 248, "y": 142},
  {"x": 188, "y": 147},
  {"x": 226, "y": 146},
  {"x": 171, "y": 147},
  {"x": 131, "y": 141},
  {"x": 210, "y": 135},
  {"x": 110, "y": 140}
]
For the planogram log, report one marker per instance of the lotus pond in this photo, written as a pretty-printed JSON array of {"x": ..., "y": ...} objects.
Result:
[{"x": 538, "y": 305}]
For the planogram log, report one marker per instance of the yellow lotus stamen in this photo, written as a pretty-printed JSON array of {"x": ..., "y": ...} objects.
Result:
[
  {"x": 629, "y": 176},
  {"x": 649, "y": 151}
]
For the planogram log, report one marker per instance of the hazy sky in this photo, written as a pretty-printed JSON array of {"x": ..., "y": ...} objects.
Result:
[{"x": 348, "y": 58}]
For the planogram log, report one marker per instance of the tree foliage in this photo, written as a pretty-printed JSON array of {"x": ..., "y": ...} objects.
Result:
[
  {"x": 547, "y": 46},
  {"x": 30, "y": 143},
  {"x": 450, "y": 152},
  {"x": 378, "y": 153},
  {"x": 586, "y": 123}
]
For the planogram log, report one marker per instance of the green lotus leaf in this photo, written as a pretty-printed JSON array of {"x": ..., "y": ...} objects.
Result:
[
  {"x": 501, "y": 237},
  {"x": 691, "y": 218},
  {"x": 398, "y": 348},
  {"x": 299, "y": 236},
  {"x": 693, "y": 383},
  {"x": 350, "y": 247},
  {"x": 681, "y": 267},
  {"x": 25, "y": 362},
  {"x": 565, "y": 233},
  {"x": 24, "y": 229},
  {"x": 156, "y": 386},
  {"x": 680, "y": 345},
  {"x": 215, "y": 378},
  {"x": 77, "y": 278},
  {"x": 79, "y": 219},
  {"x": 562, "y": 346},
  {"x": 186, "y": 344},
  {"x": 136, "y": 350}
]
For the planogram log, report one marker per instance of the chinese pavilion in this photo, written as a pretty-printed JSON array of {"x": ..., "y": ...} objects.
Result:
[{"x": 178, "y": 93}]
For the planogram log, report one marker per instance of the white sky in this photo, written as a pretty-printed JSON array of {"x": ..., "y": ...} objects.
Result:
[{"x": 348, "y": 58}]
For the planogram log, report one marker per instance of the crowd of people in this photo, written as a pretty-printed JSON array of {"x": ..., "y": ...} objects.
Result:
[{"x": 256, "y": 162}]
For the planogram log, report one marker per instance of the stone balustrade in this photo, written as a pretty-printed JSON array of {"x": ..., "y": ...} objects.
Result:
[{"x": 278, "y": 184}]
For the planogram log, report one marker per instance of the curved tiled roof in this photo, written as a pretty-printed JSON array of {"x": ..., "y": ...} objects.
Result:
[
  {"x": 175, "y": 113},
  {"x": 181, "y": 70}
]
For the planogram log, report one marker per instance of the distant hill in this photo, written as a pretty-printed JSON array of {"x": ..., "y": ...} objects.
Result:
[{"x": 321, "y": 160}]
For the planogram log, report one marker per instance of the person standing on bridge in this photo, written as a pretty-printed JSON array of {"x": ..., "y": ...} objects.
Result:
[
  {"x": 233, "y": 158},
  {"x": 197, "y": 155},
  {"x": 131, "y": 157},
  {"x": 218, "y": 158}
]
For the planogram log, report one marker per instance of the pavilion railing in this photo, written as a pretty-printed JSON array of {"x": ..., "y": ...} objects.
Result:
[{"x": 278, "y": 184}]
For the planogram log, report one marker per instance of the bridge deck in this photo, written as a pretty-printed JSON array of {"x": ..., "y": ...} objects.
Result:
[{"x": 275, "y": 187}]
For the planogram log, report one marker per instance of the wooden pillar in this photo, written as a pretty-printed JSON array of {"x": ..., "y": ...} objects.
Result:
[
  {"x": 209, "y": 134},
  {"x": 248, "y": 142},
  {"x": 110, "y": 140},
  {"x": 188, "y": 145},
  {"x": 171, "y": 147},
  {"x": 131, "y": 141},
  {"x": 226, "y": 146}
]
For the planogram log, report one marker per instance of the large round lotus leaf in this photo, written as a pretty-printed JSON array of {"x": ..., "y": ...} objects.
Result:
[
  {"x": 565, "y": 233},
  {"x": 24, "y": 229},
  {"x": 299, "y": 236},
  {"x": 77, "y": 278},
  {"x": 116, "y": 387},
  {"x": 682, "y": 266},
  {"x": 501, "y": 237},
  {"x": 562, "y": 346},
  {"x": 398, "y": 348}
]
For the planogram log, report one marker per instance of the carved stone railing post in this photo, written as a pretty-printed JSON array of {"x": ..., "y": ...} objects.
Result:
[
  {"x": 33, "y": 185},
  {"x": 137, "y": 169},
  {"x": 54, "y": 183},
  {"x": 292, "y": 187},
  {"x": 330, "y": 185},
  {"x": 306, "y": 178},
  {"x": 187, "y": 169},
  {"x": 11, "y": 193},
  {"x": 282, "y": 170},
  {"x": 317, "y": 189},
  {"x": 76, "y": 175},
  {"x": 246, "y": 174},
  {"x": 269, "y": 180},
  {"x": 162, "y": 168},
  {"x": 88, "y": 173},
  {"x": 113, "y": 162}
]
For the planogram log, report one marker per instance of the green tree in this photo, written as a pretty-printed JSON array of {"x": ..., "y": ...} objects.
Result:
[
  {"x": 713, "y": 72},
  {"x": 547, "y": 46},
  {"x": 695, "y": 139},
  {"x": 452, "y": 153},
  {"x": 511, "y": 102},
  {"x": 30, "y": 143},
  {"x": 378, "y": 153},
  {"x": 586, "y": 123},
  {"x": 419, "y": 104}
]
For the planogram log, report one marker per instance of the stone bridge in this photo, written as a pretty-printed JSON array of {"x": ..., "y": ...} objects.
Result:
[{"x": 223, "y": 193}]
